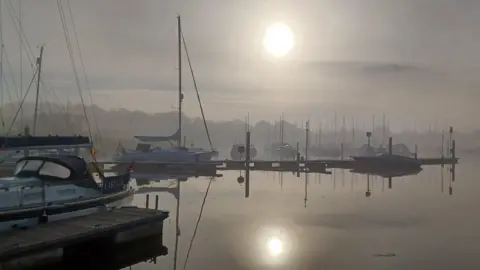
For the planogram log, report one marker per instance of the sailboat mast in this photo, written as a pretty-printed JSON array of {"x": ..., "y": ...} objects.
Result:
[
  {"x": 1, "y": 59},
  {"x": 20, "y": 11},
  {"x": 180, "y": 94},
  {"x": 39, "y": 64}
]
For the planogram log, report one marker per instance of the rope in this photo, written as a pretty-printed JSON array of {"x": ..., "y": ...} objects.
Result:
[
  {"x": 87, "y": 83},
  {"x": 196, "y": 90},
  {"x": 72, "y": 60},
  {"x": 26, "y": 44},
  {"x": 196, "y": 225},
  {"x": 21, "y": 103}
]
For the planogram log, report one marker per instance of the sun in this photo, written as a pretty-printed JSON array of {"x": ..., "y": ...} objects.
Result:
[{"x": 278, "y": 40}]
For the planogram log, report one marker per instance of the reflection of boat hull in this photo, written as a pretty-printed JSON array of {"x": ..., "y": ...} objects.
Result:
[
  {"x": 387, "y": 173},
  {"x": 386, "y": 162}
]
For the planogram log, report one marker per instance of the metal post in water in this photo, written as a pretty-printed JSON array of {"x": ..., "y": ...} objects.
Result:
[
  {"x": 247, "y": 165},
  {"x": 453, "y": 161},
  {"x": 298, "y": 159},
  {"x": 156, "y": 202},
  {"x": 453, "y": 150},
  {"x": 147, "y": 200},
  {"x": 307, "y": 131},
  {"x": 390, "y": 146}
]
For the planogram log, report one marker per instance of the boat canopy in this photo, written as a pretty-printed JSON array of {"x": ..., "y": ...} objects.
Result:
[
  {"x": 173, "y": 137},
  {"x": 63, "y": 167}
]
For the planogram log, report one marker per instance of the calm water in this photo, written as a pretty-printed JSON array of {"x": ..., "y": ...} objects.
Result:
[{"x": 414, "y": 225}]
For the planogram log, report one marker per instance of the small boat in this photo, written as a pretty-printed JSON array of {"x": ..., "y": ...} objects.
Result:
[
  {"x": 386, "y": 161},
  {"x": 49, "y": 188},
  {"x": 238, "y": 152}
]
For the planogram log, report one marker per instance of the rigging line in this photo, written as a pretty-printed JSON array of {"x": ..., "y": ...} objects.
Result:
[
  {"x": 23, "y": 100},
  {"x": 196, "y": 225},
  {"x": 69, "y": 47},
  {"x": 10, "y": 69},
  {"x": 87, "y": 83},
  {"x": 27, "y": 48},
  {"x": 54, "y": 95},
  {"x": 21, "y": 33},
  {"x": 196, "y": 89},
  {"x": 6, "y": 87}
]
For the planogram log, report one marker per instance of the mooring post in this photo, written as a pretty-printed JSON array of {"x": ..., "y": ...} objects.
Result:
[
  {"x": 156, "y": 202},
  {"x": 450, "y": 142},
  {"x": 390, "y": 183},
  {"x": 307, "y": 130},
  {"x": 247, "y": 165},
  {"x": 298, "y": 159},
  {"x": 390, "y": 148},
  {"x": 147, "y": 199},
  {"x": 453, "y": 150},
  {"x": 454, "y": 161}
]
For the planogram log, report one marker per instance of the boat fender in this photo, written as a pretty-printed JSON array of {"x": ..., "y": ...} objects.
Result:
[{"x": 240, "y": 179}]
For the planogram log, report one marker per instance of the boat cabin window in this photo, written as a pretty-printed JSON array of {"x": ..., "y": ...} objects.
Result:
[
  {"x": 43, "y": 168},
  {"x": 55, "y": 170},
  {"x": 28, "y": 166},
  {"x": 144, "y": 147}
]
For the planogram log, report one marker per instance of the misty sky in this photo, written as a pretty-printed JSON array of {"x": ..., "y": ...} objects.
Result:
[{"x": 406, "y": 58}]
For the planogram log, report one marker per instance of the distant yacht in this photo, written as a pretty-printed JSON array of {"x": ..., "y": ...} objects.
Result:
[{"x": 146, "y": 152}]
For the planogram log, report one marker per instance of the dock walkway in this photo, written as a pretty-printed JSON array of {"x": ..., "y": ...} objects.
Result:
[{"x": 75, "y": 231}]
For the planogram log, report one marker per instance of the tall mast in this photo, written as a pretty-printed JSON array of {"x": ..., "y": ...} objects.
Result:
[
  {"x": 39, "y": 64},
  {"x": 1, "y": 59},
  {"x": 180, "y": 94},
  {"x": 20, "y": 11}
]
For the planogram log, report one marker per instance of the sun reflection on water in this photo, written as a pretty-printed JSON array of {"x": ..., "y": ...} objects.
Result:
[{"x": 274, "y": 245}]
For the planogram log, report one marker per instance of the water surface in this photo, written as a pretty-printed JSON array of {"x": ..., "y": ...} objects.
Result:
[{"x": 414, "y": 225}]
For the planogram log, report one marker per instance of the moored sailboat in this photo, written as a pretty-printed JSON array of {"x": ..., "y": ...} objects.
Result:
[{"x": 49, "y": 188}]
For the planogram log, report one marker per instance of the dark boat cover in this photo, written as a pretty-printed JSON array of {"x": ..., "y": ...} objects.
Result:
[{"x": 35, "y": 141}]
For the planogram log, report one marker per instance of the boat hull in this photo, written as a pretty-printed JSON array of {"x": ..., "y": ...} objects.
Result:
[{"x": 30, "y": 216}]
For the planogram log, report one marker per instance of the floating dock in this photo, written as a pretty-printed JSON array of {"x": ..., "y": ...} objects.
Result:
[{"x": 96, "y": 234}]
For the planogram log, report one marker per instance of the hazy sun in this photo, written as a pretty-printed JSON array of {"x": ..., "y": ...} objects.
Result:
[{"x": 278, "y": 40}]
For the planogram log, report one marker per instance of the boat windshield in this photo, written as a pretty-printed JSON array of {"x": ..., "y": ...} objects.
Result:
[{"x": 42, "y": 168}]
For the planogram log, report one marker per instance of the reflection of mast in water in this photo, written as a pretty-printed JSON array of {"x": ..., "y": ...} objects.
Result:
[
  {"x": 306, "y": 191},
  {"x": 373, "y": 182},
  {"x": 450, "y": 188},
  {"x": 343, "y": 178},
  {"x": 369, "y": 192},
  {"x": 383, "y": 184},
  {"x": 281, "y": 181},
  {"x": 334, "y": 179},
  {"x": 441, "y": 179},
  {"x": 352, "y": 176}
]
